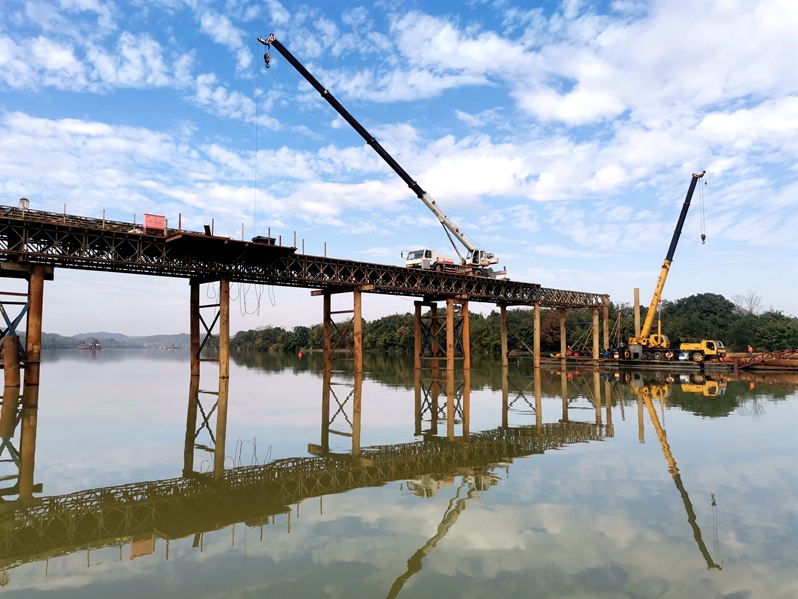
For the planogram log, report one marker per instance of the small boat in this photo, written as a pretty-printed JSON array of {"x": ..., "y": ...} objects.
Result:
[{"x": 93, "y": 345}]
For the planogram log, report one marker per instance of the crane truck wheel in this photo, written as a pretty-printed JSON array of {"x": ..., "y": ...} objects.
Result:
[
  {"x": 698, "y": 357},
  {"x": 439, "y": 268},
  {"x": 657, "y": 355}
]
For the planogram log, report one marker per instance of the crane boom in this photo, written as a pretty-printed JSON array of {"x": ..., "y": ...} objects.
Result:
[
  {"x": 371, "y": 141},
  {"x": 677, "y": 479},
  {"x": 663, "y": 275}
]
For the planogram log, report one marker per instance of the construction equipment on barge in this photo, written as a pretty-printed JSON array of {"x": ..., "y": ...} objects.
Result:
[{"x": 656, "y": 346}]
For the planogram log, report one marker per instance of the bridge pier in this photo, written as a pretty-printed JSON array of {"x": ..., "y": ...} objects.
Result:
[
  {"x": 605, "y": 301},
  {"x": 355, "y": 323},
  {"x": 222, "y": 316},
  {"x": 351, "y": 414},
  {"x": 505, "y": 356},
  {"x": 457, "y": 344},
  {"x": 563, "y": 337}
]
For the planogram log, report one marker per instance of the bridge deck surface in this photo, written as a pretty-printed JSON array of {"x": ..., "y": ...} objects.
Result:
[{"x": 68, "y": 241}]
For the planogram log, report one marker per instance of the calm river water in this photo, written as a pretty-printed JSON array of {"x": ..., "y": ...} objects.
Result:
[{"x": 647, "y": 485}]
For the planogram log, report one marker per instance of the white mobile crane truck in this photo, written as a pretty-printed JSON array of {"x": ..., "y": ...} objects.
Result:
[{"x": 477, "y": 261}]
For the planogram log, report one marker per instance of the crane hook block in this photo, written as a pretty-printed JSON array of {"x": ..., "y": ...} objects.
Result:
[
  {"x": 267, "y": 59},
  {"x": 703, "y": 239}
]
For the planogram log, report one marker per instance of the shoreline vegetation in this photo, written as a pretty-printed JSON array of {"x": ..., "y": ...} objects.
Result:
[{"x": 690, "y": 319}]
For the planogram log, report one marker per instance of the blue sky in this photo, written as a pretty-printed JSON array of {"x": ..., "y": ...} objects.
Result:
[{"x": 560, "y": 136}]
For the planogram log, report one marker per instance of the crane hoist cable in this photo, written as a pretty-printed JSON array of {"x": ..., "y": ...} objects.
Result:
[{"x": 701, "y": 204}]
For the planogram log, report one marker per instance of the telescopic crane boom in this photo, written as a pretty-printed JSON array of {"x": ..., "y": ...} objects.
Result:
[
  {"x": 476, "y": 256},
  {"x": 659, "y": 340}
]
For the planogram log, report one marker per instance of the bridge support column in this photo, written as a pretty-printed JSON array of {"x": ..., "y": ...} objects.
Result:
[
  {"x": 221, "y": 429},
  {"x": 417, "y": 338},
  {"x": 27, "y": 452},
  {"x": 466, "y": 403},
  {"x": 11, "y": 361},
  {"x": 466, "y": 336},
  {"x": 434, "y": 327},
  {"x": 450, "y": 404},
  {"x": 505, "y": 397},
  {"x": 191, "y": 423},
  {"x": 605, "y": 300},
  {"x": 224, "y": 330},
  {"x": 357, "y": 406},
  {"x": 597, "y": 395},
  {"x": 596, "y": 350},
  {"x": 538, "y": 400},
  {"x": 536, "y": 337},
  {"x": 417, "y": 398},
  {"x": 325, "y": 413},
  {"x": 637, "y": 312},
  {"x": 450, "y": 335},
  {"x": 327, "y": 330},
  {"x": 194, "y": 327},
  {"x": 33, "y": 332},
  {"x": 563, "y": 338},
  {"x": 641, "y": 431},
  {"x": 357, "y": 326},
  {"x": 505, "y": 357}
]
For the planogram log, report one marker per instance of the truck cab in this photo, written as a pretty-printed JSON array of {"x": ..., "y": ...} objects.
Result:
[
  {"x": 427, "y": 259},
  {"x": 706, "y": 349}
]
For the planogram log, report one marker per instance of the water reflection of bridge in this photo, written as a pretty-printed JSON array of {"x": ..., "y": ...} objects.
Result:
[{"x": 33, "y": 529}]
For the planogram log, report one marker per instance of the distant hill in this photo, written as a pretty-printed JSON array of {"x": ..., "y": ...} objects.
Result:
[
  {"x": 116, "y": 341},
  {"x": 102, "y": 335}
]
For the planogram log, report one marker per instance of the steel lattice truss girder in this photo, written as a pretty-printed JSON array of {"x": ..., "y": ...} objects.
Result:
[
  {"x": 82, "y": 243},
  {"x": 183, "y": 506}
]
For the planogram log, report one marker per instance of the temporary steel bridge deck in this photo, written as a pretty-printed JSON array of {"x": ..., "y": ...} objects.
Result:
[{"x": 69, "y": 241}]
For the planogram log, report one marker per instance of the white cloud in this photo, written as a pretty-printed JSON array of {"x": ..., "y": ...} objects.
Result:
[{"x": 222, "y": 31}]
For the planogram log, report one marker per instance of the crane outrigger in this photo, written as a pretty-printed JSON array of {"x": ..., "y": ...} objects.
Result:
[{"x": 476, "y": 261}]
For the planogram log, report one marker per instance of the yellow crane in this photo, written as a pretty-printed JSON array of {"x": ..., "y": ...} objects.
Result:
[
  {"x": 688, "y": 506},
  {"x": 646, "y": 346}
]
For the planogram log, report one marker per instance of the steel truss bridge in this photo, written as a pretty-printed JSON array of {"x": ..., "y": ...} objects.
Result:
[
  {"x": 68, "y": 241},
  {"x": 175, "y": 508}
]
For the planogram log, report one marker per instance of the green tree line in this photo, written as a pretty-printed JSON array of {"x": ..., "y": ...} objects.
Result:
[{"x": 701, "y": 316}]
